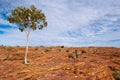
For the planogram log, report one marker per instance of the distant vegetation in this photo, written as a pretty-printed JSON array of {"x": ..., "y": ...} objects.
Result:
[{"x": 76, "y": 54}]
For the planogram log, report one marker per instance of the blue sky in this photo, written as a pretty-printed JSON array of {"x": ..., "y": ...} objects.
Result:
[{"x": 70, "y": 23}]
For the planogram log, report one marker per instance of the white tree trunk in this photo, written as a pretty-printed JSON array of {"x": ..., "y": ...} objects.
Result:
[{"x": 27, "y": 43}]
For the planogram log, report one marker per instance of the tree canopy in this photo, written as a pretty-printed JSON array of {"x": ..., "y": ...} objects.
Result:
[{"x": 25, "y": 18}]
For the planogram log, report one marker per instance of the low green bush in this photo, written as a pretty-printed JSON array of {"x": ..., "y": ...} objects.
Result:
[{"x": 116, "y": 75}]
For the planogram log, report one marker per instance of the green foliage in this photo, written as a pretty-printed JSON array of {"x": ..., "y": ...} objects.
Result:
[
  {"x": 62, "y": 46},
  {"x": 2, "y": 45},
  {"x": 28, "y": 18},
  {"x": 116, "y": 75}
]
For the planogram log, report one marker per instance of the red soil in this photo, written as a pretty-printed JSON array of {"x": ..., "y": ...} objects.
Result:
[{"x": 56, "y": 63}]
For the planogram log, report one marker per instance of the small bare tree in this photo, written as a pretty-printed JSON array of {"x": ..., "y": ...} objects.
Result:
[{"x": 28, "y": 19}]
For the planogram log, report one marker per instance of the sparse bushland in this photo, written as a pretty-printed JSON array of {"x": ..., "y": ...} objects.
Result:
[{"x": 80, "y": 65}]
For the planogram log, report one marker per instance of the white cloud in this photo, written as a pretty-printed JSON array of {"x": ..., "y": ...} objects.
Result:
[
  {"x": 63, "y": 16},
  {"x": 5, "y": 22}
]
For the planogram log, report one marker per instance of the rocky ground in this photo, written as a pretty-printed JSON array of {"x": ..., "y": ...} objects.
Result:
[{"x": 60, "y": 63}]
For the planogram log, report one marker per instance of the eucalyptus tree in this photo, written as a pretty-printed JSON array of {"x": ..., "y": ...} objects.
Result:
[{"x": 27, "y": 20}]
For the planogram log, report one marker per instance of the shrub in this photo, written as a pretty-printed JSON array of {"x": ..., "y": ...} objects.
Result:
[
  {"x": 93, "y": 50},
  {"x": 62, "y": 46},
  {"x": 78, "y": 53},
  {"x": 17, "y": 46},
  {"x": 83, "y": 51},
  {"x": 59, "y": 50},
  {"x": 9, "y": 48},
  {"x": 46, "y": 50},
  {"x": 73, "y": 56},
  {"x": 36, "y": 48},
  {"x": 50, "y": 48},
  {"x": 2, "y": 45},
  {"x": 116, "y": 75},
  {"x": 67, "y": 50},
  {"x": 92, "y": 60},
  {"x": 8, "y": 55}
]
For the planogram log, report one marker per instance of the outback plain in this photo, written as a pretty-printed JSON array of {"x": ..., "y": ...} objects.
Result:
[{"x": 60, "y": 63}]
